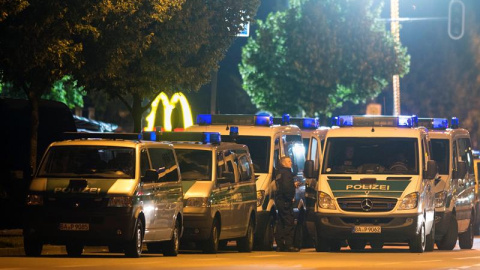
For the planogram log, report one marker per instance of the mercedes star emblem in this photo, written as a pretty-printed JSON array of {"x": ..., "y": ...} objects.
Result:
[{"x": 366, "y": 205}]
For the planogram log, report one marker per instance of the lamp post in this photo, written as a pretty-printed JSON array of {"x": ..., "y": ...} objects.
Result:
[{"x": 395, "y": 29}]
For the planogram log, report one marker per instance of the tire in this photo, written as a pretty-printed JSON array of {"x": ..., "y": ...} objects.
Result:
[
  {"x": 265, "y": 243},
  {"x": 417, "y": 244},
  {"x": 74, "y": 250},
  {"x": 431, "y": 239},
  {"x": 245, "y": 244},
  {"x": 465, "y": 240},
  {"x": 133, "y": 248},
  {"x": 171, "y": 247},
  {"x": 32, "y": 246},
  {"x": 357, "y": 244},
  {"x": 210, "y": 246},
  {"x": 376, "y": 244},
  {"x": 449, "y": 240}
]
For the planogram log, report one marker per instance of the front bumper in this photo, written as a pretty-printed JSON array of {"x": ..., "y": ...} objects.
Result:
[
  {"x": 197, "y": 224},
  {"x": 107, "y": 225}
]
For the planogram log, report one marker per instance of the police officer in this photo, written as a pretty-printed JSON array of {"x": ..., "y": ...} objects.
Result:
[{"x": 284, "y": 198}]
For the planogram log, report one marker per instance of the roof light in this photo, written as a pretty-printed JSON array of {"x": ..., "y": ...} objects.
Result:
[
  {"x": 204, "y": 119},
  {"x": 375, "y": 121},
  {"x": 454, "y": 122},
  {"x": 285, "y": 119},
  {"x": 434, "y": 123},
  {"x": 203, "y": 137},
  {"x": 148, "y": 136},
  {"x": 234, "y": 119},
  {"x": 305, "y": 122},
  {"x": 233, "y": 131}
]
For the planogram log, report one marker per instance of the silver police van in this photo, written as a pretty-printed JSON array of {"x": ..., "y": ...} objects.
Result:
[{"x": 118, "y": 192}]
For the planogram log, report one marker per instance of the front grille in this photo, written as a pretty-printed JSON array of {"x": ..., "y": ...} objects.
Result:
[
  {"x": 375, "y": 221},
  {"x": 77, "y": 203},
  {"x": 367, "y": 204}
]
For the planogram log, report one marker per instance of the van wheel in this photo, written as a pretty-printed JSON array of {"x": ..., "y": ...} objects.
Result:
[
  {"x": 465, "y": 240},
  {"x": 172, "y": 246},
  {"x": 417, "y": 244},
  {"x": 265, "y": 243},
  {"x": 357, "y": 244},
  {"x": 431, "y": 239},
  {"x": 133, "y": 248},
  {"x": 74, "y": 250},
  {"x": 32, "y": 246},
  {"x": 449, "y": 240},
  {"x": 245, "y": 244},
  {"x": 210, "y": 245}
]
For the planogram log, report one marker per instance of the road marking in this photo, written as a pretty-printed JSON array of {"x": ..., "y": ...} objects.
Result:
[{"x": 265, "y": 256}]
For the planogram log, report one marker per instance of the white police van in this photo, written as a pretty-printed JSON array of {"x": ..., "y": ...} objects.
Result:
[
  {"x": 455, "y": 187},
  {"x": 112, "y": 190},
  {"x": 267, "y": 143},
  {"x": 376, "y": 185},
  {"x": 219, "y": 190}
]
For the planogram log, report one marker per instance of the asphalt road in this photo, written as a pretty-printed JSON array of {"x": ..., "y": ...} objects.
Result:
[{"x": 391, "y": 257}]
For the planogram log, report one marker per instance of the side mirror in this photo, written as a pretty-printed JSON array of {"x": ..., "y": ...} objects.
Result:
[
  {"x": 308, "y": 169},
  {"x": 431, "y": 172},
  {"x": 461, "y": 170},
  {"x": 151, "y": 176}
]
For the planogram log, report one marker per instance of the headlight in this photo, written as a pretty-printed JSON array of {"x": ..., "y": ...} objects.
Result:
[
  {"x": 440, "y": 199},
  {"x": 260, "y": 197},
  {"x": 198, "y": 202},
  {"x": 120, "y": 202},
  {"x": 34, "y": 199},
  {"x": 409, "y": 202},
  {"x": 325, "y": 201}
]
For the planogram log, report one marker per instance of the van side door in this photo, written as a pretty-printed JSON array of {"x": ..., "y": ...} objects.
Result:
[
  {"x": 244, "y": 195},
  {"x": 227, "y": 177},
  {"x": 146, "y": 196},
  {"x": 465, "y": 184}
]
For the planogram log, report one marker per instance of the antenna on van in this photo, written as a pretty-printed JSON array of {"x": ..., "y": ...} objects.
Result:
[{"x": 227, "y": 126}]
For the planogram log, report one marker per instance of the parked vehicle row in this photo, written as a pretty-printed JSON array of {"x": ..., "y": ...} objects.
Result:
[{"x": 366, "y": 180}]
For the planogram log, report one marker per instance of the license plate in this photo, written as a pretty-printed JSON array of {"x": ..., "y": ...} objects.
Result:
[
  {"x": 74, "y": 226},
  {"x": 367, "y": 229}
]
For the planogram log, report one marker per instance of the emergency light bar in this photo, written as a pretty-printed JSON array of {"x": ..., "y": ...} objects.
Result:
[
  {"x": 433, "y": 123},
  {"x": 375, "y": 121},
  {"x": 234, "y": 119},
  {"x": 301, "y": 122},
  {"x": 454, "y": 122},
  {"x": 203, "y": 137}
]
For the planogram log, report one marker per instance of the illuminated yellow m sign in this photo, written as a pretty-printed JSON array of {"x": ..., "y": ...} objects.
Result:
[{"x": 168, "y": 106}]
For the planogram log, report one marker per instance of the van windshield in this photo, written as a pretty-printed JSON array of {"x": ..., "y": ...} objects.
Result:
[
  {"x": 89, "y": 162},
  {"x": 259, "y": 147},
  {"x": 195, "y": 164},
  {"x": 371, "y": 156},
  {"x": 441, "y": 154}
]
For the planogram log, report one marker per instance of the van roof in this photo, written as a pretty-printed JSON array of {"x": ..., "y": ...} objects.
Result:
[
  {"x": 448, "y": 133},
  {"x": 372, "y": 132},
  {"x": 108, "y": 142}
]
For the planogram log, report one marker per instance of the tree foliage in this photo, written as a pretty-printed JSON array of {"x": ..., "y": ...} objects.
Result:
[
  {"x": 318, "y": 54},
  {"x": 139, "y": 52}
]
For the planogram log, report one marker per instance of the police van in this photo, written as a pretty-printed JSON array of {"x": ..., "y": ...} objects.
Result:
[
  {"x": 219, "y": 190},
  {"x": 267, "y": 144},
  {"x": 455, "y": 188},
  {"x": 476, "y": 167},
  {"x": 117, "y": 191},
  {"x": 376, "y": 185}
]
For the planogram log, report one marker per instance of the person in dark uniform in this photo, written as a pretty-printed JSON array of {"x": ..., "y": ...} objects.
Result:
[{"x": 284, "y": 198}]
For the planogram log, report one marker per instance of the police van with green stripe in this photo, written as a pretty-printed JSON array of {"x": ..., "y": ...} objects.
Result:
[
  {"x": 117, "y": 191},
  {"x": 219, "y": 190},
  {"x": 375, "y": 185}
]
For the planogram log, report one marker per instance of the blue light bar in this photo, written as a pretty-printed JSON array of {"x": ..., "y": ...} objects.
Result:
[
  {"x": 286, "y": 119},
  {"x": 234, "y": 119},
  {"x": 148, "y": 136},
  {"x": 233, "y": 131},
  {"x": 375, "y": 121},
  {"x": 204, "y": 119},
  {"x": 203, "y": 137},
  {"x": 433, "y": 123},
  {"x": 454, "y": 122}
]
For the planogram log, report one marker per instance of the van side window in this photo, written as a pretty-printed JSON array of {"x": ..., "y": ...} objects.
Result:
[
  {"x": 465, "y": 151},
  {"x": 454, "y": 156},
  {"x": 244, "y": 168},
  {"x": 425, "y": 153},
  {"x": 144, "y": 163},
  {"x": 225, "y": 165},
  {"x": 314, "y": 153},
  {"x": 163, "y": 161},
  {"x": 276, "y": 153}
]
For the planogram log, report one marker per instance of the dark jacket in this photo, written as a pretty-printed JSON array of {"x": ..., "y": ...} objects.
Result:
[{"x": 285, "y": 184}]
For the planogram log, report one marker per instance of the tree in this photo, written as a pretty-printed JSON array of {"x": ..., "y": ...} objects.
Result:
[
  {"x": 139, "y": 53},
  {"x": 318, "y": 54},
  {"x": 37, "y": 48},
  {"x": 65, "y": 90}
]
